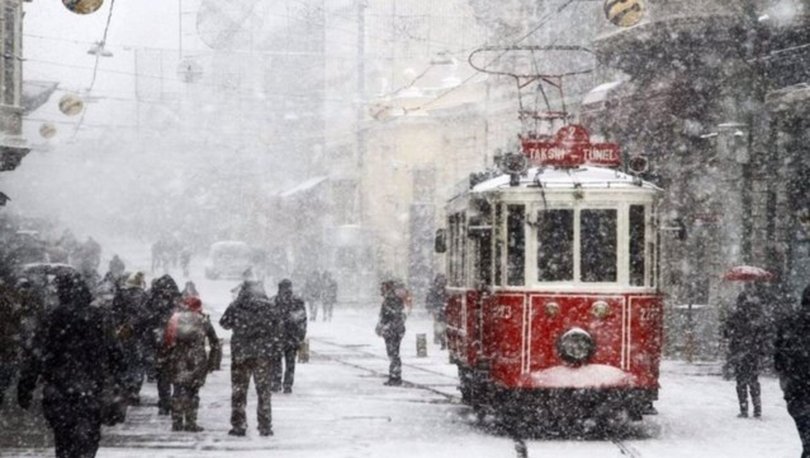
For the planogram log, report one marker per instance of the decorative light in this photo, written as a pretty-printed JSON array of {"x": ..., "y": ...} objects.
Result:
[
  {"x": 83, "y": 6},
  {"x": 624, "y": 13},
  {"x": 71, "y": 104},
  {"x": 47, "y": 130}
]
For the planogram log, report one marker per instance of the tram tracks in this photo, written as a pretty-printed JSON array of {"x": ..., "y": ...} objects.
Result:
[{"x": 520, "y": 446}]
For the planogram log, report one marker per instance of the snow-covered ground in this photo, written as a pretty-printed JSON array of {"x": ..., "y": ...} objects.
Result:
[{"x": 340, "y": 408}]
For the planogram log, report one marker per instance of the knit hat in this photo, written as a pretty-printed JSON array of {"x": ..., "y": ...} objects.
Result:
[{"x": 193, "y": 303}]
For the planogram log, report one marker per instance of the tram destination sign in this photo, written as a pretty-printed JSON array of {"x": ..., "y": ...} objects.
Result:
[{"x": 571, "y": 147}]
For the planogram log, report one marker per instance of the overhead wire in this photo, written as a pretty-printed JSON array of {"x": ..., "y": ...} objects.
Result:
[{"x": 542, "y": 22}]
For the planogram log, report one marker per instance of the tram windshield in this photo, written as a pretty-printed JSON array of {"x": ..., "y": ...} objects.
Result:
[
  {"x": 598, "y": 245},
  {"x": 555, "y": 245}
]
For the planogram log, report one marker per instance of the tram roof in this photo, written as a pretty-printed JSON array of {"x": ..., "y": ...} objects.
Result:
[{"x": 581, "y": 177}]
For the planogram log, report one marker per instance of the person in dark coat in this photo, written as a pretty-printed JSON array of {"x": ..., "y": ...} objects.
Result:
[
  {"x": 188, "y": 361},
  {"x": 75, "y": 356},
  {"x": 329, "y": 294},
  {"x": 391, "y": 327},
  {"x": 11, "y": 335},
  {"x": 257, "y": 328},
  {"x": 792, "y": 364},
  {"x": 164, "y": 297},
  {"x": 745, "y": 330},
  {"x": 129, "y": 319},
  {"x": 435, "y": 304},
  {"x": 294, "y": 315}
]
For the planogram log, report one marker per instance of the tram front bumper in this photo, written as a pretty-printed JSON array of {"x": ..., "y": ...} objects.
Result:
[{"x": 587, "y": 376}]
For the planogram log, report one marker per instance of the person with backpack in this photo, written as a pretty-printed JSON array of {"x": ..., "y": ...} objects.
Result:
[
  {"x": 257, "y": 326},
  {"x": 294, "y": 315},
  {"x": 188, "y": 363}
]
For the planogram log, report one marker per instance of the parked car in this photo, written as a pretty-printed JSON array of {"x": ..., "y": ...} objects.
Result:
[{"x": 228, "y": 260}]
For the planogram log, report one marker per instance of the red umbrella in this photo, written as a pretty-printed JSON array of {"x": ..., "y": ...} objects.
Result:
[{"x": 748, "y": 273}]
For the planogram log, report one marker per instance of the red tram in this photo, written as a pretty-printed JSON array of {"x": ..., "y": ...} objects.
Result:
[{"x": 553, "y": 304}]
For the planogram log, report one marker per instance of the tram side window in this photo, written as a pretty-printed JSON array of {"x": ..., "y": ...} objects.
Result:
[
  {"x": 515, "y": 245},
  {"x": 555, "y": 245},
  {"x": 637, "y": 245},
  {"x": 598, "y": 245}
]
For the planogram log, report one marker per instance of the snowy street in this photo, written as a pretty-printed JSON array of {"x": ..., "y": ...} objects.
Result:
[{"x": 340, "y": 408}]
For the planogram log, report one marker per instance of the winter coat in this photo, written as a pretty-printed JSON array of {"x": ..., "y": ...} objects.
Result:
[
  {"x": 11, "y": 314},
  {"x": 129, "y": 313},
  {"x": 185, "y": 339},
  {"x": 792, "y": 357},
  {"x": 76, "y": 357},
  {"x": 330, "y": 291},
  {"x": 745, "y": 330},
  {"x": 434, "y": 302},
  {"x": 392, "y": 316},
  {"x": 256, "y": 322},
  {"x": 295, "y": 319},
  {"x": 160, "y": 304}
]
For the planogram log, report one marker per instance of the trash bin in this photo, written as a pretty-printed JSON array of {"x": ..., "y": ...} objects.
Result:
[{"x": 421, "y": 345}]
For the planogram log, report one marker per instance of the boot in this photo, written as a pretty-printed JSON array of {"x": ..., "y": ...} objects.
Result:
[
  {"x": 742, "y": 397},
  {"x": 191, "y": 422},
  {"x": 756, "y": 400},
  {"x": 177, "y": 421}
]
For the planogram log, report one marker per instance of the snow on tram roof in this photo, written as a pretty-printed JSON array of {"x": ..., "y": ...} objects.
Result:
[{"x": 583, "y": 177}]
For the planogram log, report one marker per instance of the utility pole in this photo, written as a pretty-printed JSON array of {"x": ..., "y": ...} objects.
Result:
[{"x": 360, "y": 103}]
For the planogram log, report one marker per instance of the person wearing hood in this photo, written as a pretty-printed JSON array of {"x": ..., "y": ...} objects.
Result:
[
  {"x": 257, "y": 330},
  {"x": 188, "y": 362},
  {"x": 129, "y": 321},
  {"x": 75, "y": 356},
  {"x": 294, "y": 315},
  {"x": 164, "y": 297},
  {"x": 792, "y": 364},
  {"x": 391, "y": 327},
  {"x": 116, "y": 267}
]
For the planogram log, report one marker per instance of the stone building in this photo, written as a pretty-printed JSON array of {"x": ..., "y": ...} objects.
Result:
[{"x": 713, "y": 93}]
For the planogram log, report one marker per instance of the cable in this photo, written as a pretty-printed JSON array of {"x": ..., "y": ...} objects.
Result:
[
  {"x": 534, "y": 29},
  {"x": 101, "y": 46}
]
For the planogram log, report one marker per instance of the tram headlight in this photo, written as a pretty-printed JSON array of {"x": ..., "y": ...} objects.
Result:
[
  {"x": 552, "y": 309},
  {"x": 575, "y": 346},
  {"x": 600, "y": 310}
]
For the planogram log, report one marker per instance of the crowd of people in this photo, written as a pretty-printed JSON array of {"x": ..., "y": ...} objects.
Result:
[
  {"x": 101, "y": 339},
  {"x": 320, "y": 290}
]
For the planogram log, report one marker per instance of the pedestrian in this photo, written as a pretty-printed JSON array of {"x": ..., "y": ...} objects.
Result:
[
  {"x": 116, "y": 267},
  {"x": 75, "y": 367},
  {"x": 435, "y": 304},
  {"x": 164, "y": 297},
  {"x": 329, "y": 292},
  {"x": 11, "y": 336},
  {"x": 294, "y": 316},
  {"x": 130, "y": 321},
  {"x": 312, "y": 293},
  {"x": 185, "y": 260},
  {"x": 391, "y": 327},
  {"x": 189, "y": 290},
  {"x": 792, "y": 364},
  {"x": 745, "y": 330},
  {"x": 257, "y": 329},
  {"x": 188, "y": 361}
]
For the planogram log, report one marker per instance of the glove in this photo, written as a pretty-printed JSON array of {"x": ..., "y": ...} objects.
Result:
[{"x": 24, "y": 400}]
